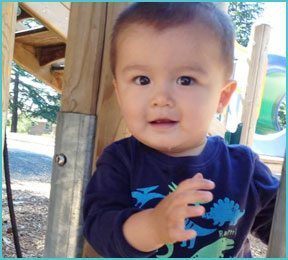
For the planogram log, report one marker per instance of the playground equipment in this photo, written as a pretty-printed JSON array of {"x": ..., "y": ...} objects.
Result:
[
  {"x": 272, "y": 144},
  {"x": 273, "y": 94},
  {"x": 270, "y": 138},
  {"x": 87, "y": 98}
]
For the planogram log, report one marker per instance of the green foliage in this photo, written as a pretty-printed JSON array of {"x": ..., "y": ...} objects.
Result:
[
  {"x": 24, "y": 123},
  {"x": 243, "y": 15},
  {"x": 282, "y": 114},
  {"x": 34, "y": 98},
  {"x": 45, "y": 105}
]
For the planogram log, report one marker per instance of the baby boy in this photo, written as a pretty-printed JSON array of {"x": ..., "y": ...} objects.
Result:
[{"x": 169, "y": 190}]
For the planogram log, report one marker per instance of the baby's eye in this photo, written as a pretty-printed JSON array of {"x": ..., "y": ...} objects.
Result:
[
  {"x": 141, "y": 80},
  {"x": 185, "y": 81}
]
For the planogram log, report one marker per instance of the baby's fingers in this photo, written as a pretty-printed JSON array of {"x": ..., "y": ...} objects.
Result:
[
  {"x": 192, "y": 197},
  {"x": 196, "y": 183},
  {"x": 179, "y": 235},
  {"x": 194, "y": 211},
  {"x": 180, "y": 213}
]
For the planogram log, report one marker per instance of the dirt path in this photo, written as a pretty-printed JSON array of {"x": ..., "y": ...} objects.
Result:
[
  {"x": 31, "y": 209},
  {"x": 30, "y": 161}
]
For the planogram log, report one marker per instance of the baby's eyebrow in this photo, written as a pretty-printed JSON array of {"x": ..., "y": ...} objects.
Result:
[
  {"x": 135, "y": 67},
  {"x": 197, "y": 69},
  {"x": 194, "y": 68}
]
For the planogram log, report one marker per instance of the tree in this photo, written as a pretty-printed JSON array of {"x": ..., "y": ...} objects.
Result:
[
  {"x": 15, "y": 107},
  {"x": 29, "y": 96},
  {"x": 282, "y": 113},
  {"x": 14, "y": 103},
  {"x": 243, "y": 15}
]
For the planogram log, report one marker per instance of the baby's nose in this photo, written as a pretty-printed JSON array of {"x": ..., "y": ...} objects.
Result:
[{"x": 162, "y": 97}]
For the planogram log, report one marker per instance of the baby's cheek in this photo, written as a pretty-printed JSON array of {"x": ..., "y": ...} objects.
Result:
[{"x": 134, "y": 119}]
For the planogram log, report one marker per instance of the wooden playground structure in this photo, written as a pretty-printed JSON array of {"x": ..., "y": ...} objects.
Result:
[{"x": 89, "y": 118}]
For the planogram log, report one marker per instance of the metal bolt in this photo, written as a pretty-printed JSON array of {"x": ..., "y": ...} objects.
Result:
[{"x": 60, "y": 159}]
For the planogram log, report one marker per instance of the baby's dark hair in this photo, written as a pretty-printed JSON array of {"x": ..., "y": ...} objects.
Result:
[{"x": 163, "y": 15}]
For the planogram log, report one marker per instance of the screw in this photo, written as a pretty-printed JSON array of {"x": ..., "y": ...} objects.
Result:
[{"x": 60, "y": 159}]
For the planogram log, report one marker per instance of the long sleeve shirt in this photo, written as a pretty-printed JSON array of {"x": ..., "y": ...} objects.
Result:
[{"x": 131, "y": 177}]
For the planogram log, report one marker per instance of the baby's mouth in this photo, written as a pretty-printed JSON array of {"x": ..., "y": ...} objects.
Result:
[{"x": 163, "y": 123}]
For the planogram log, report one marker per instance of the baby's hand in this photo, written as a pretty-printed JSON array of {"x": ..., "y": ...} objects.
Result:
[{"x": 170, "y": 214}]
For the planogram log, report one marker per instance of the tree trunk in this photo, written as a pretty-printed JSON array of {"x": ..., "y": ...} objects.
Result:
[{"x": 15, "y": 104}]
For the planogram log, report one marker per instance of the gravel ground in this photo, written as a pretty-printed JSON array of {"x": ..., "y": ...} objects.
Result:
[
  {"x": 30, "y": 162},
  {"x": 20, "y": 166},
  {"x": 31, "y": 165},
  {"x": 31, "y": 212}
]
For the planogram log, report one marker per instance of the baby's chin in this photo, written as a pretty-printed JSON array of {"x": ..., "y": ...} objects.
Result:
[
  {"x": 171, "y": 148},
  {"x": 174, "y": 151},
  {"x": 168, "y": 148}
]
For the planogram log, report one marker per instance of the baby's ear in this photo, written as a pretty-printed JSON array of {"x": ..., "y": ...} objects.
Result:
[{"x": 226, "y": 94}]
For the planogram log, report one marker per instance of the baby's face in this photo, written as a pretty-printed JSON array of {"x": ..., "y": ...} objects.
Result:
[{"x": 169, "y": 85}]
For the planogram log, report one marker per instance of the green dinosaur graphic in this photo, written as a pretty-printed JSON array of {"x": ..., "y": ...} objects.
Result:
[
  {"x": 173, "y": 186},
  {"x": 215, "y": 249},
  {"x": 170, "y": 248}
]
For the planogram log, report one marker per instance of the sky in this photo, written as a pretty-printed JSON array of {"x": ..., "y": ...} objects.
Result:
[{"x": 275, "y": 15}]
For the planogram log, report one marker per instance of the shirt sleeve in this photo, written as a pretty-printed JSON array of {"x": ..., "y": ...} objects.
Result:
[
  {"x": 266, "y": 186},
  {"x": 107, "y": 205}
]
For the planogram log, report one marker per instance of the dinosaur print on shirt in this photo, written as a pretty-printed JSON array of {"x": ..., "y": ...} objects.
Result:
[{"x": 224, "y": 212}]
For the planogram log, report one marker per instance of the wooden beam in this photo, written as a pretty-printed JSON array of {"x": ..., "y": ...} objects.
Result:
[
  {"x": 25, "y": 56},
  {"x": 53, "y": 15},
  {"x": 79, "y": 101},
  {"x": 257, "y": 69},
  {"x": 83, "y": 58},
  {"x": 110, "y": 125},
  {"x": 109, "y": 115},
  {"x": 39, "y": 37},
  {"x": 8, "y": 34},
  {"x": 30, "y": 32},
  {"x": 48, "y": 54}
]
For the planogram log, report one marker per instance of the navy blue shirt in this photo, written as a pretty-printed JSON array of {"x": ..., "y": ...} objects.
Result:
[{"x": 131, "y": 177}]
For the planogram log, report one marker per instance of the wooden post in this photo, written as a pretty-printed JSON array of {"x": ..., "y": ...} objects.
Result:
[
  {"x": 75, "y": 129},
  {"x": 71, "y": 173},
  {"x": 83, "y": 58},
  {"x": 277, "y": 240},
  {"x": 110, "y": 124},
  {"x": 8, "y": 36},
  {"x": 109, "y": 115},
  {"x": 257, "y": 69}
]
